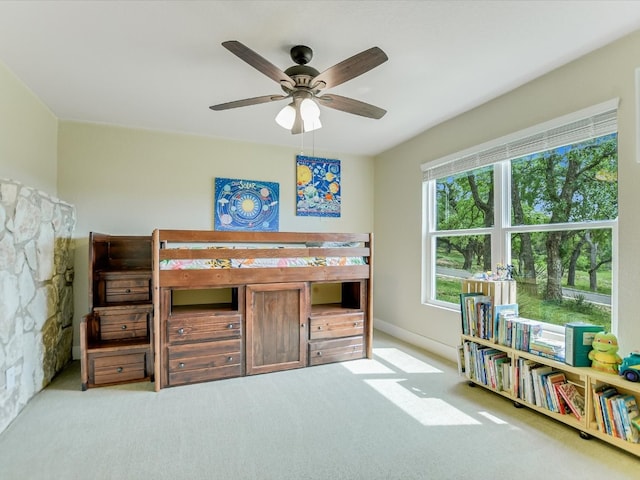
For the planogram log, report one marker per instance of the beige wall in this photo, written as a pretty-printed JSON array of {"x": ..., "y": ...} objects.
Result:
[
  {"x": 28, "y": 136},
  {"x": 597, "y": 77},
  {"x": 127, "y": 181}
]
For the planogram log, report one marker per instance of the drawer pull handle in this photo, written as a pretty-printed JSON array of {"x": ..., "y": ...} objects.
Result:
[
  {"x": 119, "y": 369},
  {"x": 355, "y": 324},
  {"x": 128, "y": 290},
  {"x": 229, "y": 359},
  {"x": 319, "y": 354},
  {"x": 230, "y": 325},
  {"x": 319, "y": 327},
  {"x": 181, "y": 365},
  {"x": 181, "y": 331},
  {"x": 124, "y": 327}
]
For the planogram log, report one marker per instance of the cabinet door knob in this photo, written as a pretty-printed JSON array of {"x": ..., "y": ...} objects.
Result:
[
  {"x": 181, "y": 365},
  {"x": 229, "y": 359},
  {"x": 230, "y": 325},
  {"x": 119, "y": 369},
  {"x": 319, "y": 354},
  {"x": 319, "y": 327},
  {"x": 302, "y": 325},
  {"x": 124, "y": 327},
  {"x": 355, "y": 324},
  {"x": 180, "y": 331}
]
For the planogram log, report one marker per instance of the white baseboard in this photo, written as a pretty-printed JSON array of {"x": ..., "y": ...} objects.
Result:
[{"x": 445, "y": 351}]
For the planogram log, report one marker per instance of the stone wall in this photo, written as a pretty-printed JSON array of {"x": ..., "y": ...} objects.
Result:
[{"x": 36, "y": 295}]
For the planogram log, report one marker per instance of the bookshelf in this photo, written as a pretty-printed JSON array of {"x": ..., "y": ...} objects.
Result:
[{"x": 506, "y": 371}]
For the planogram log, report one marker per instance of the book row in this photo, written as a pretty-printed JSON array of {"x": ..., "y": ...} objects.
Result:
[
  {"x": 502, "y": 325},
  {"x": 547, "y": 387},
  {"x": 535, "y": 383},
  {"x": 617, "y": 414}
]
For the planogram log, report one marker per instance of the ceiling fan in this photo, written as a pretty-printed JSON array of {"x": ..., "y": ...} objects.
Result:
[{"x": 303, "y": 85}]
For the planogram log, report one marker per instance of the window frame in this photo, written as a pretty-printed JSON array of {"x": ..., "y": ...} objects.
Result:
[{"x": 502, "y": 228}]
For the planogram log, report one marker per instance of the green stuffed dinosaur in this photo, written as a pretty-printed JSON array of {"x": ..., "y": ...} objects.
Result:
[{"x": 604, "y": 356}]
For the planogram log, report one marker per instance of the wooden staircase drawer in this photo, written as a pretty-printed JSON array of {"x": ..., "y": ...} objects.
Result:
[
  {"x": 329, "y": 351},
  {"x": 123, "y": 323},
  {"x": 118, "y": 291},
  {"x": 335, "y": 326},
  {"x": 118, "y": 368},
  {"x": 123, "y": 287},
  {"x": 203, "y": 328}
]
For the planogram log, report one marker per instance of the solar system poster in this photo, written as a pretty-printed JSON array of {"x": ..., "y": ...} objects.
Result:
[
  {"x": 246, "y": 205},
  {"x": 318, "y": 186}
]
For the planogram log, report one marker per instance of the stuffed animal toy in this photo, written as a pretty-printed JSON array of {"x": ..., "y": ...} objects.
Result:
[{"x": 604, "y": 356}]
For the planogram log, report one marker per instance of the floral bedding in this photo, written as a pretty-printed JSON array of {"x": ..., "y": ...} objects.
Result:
[{"x": 212, "y": 263}]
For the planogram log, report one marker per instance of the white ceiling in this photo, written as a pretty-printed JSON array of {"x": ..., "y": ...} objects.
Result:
[{"x": 159, "y": 64}]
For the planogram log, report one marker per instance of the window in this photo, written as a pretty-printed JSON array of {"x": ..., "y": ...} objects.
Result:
[{"x": 544, "y": 201}]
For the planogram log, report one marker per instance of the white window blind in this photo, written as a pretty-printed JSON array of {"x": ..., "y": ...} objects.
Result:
[{"x": 579, "y": 126}]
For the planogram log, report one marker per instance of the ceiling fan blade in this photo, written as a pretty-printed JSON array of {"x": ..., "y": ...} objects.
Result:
[
  {"x": 350, "y": 68},
  {"x": 350, "y": 105},
  {"x": 248, "y": 101},
  {"x": 258, "y": 62}
]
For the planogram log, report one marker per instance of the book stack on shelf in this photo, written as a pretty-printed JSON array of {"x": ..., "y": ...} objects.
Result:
[
  {"x": 500, "y": 323},
  {"x": 617, "y": 414},
  {"x": 477, "y": 315},
  {"x": 488, "y": 366},
  {"x": 548, "y": 348},
  {"x": 547, "y": 387}
]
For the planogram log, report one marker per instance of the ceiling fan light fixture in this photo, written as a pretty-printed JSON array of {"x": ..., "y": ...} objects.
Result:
[
  {"x": 309, "y": 113},
  {"x": 309, "y": 109},
  {"x": 286, "y": 117}
]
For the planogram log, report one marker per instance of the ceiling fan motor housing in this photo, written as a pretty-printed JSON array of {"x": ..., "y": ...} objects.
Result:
[
  {"x": 301, "y": 54},
  {"x": 302, "y": 75}
]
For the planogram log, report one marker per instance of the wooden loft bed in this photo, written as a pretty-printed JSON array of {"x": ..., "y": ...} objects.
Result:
[{"x": 229, "y": 304}]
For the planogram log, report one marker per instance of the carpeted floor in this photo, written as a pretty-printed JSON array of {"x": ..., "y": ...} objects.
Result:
[{"x": 403, "y": 415}]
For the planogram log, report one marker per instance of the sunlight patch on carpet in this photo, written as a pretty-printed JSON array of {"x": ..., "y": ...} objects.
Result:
[
  {"x": 366, "y": 366},
  {"x": 493, "y": 418},
  {"x": 427, "y": 411},
  {"x": 404, "y": 361}
]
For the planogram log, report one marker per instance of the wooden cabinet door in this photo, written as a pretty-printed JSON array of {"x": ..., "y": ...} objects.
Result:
[{"x": 276, "y": 329}]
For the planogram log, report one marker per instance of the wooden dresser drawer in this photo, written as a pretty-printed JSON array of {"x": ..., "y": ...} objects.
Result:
[
  {"x": 203, "y": 328},
  {"x": 328, "y": 351},
  {"x": 204, "y": 361},
  {"x": 122, "y": 287},
  {"x": 124, "y": 322},
  {"x": 335, "y": 326},
  {"x": 118, "y": 368}
]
